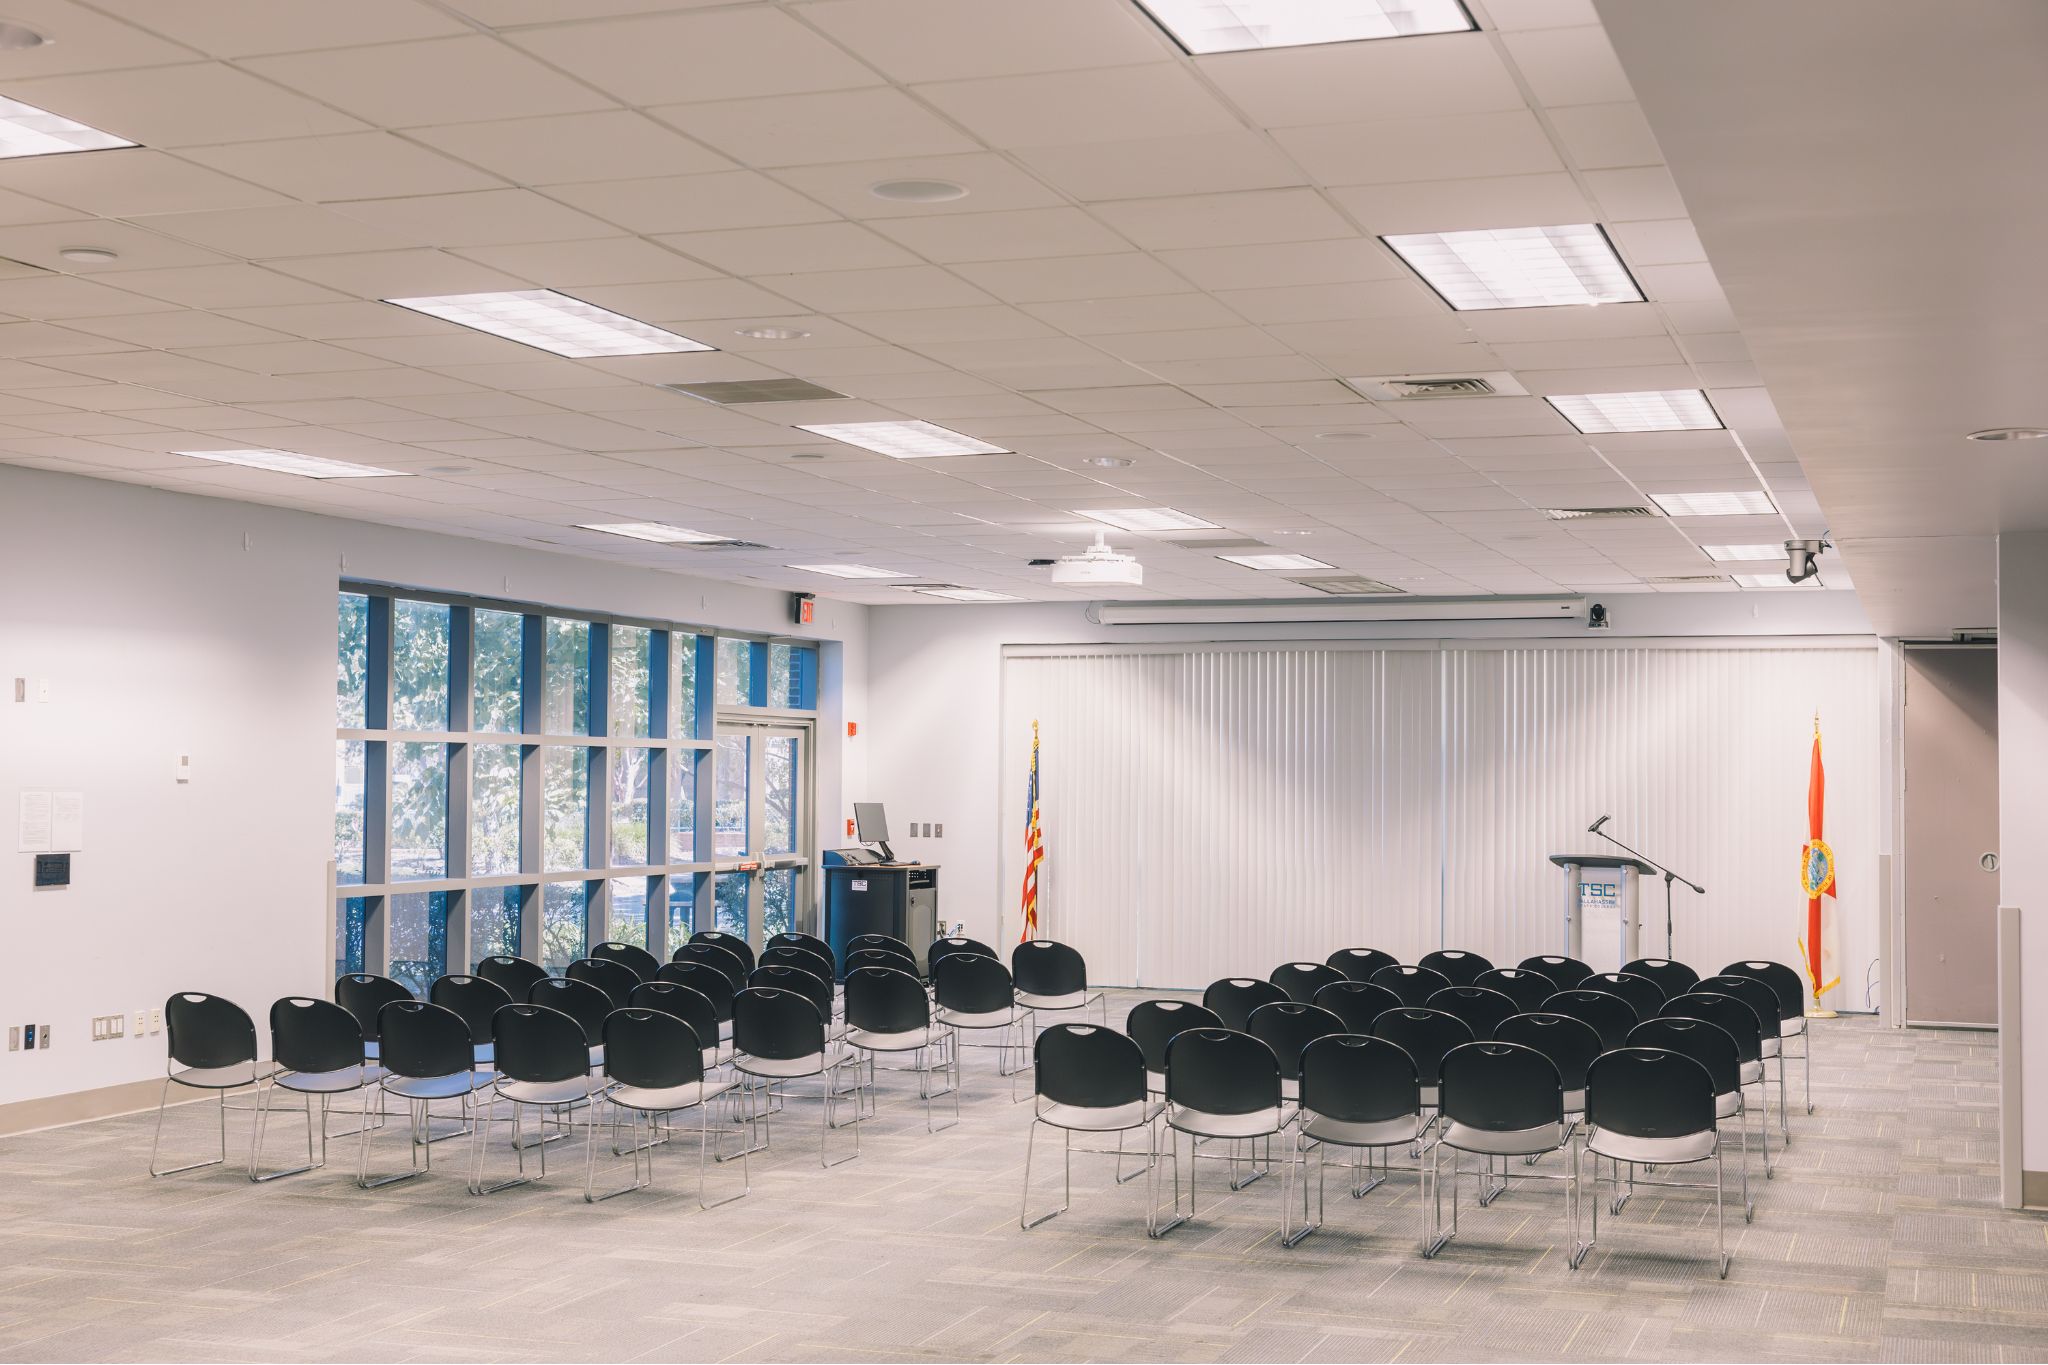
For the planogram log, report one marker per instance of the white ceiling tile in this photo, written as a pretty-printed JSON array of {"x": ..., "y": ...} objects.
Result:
[
  {"x": 914, "y": 326},
  {"x": 1466, "y": 205},
  {"x": 1334, "y": 302},
  {"x": 80, "y": 38},
  {"x": 456, "y": 348},
  {"x": 1009, "y": 352},
  {"x": 281, "y": 230},
  {"x": 1698, "y": 315},
  {"x": 126, "y": 181},
  {"x": 1206, "y": 163},
  {"x": 225, "y": 286},
  {"x": 1609, "y": 379},
  {"x": 1451, "y": 147},
  {"x": 343, "y": 166},
  {"x": 514, "y": 13},
  {"x": 182, "y": 106},
  {"x": 1252, "y": 267},
  {"x": 1564, "y": 324},
  {"x": 1510, "y": 15},
  {"x": 1073, "y": 277},
  {"x": 570, "y": 148},
  {"x": 722, "y": 54},
  {"x": 1020, "y": 235},
  {"x": 476, "y": 218},
  {"x": 178, "y": 328},
  {"x": 1114, "y": 104},
  {"x": 341, "y": 321},
  {"x": 693, "y": 203},
  {"x": 915, "y": 286},
  {"x": 1681, "y": 284},
  {"x": 1569, "y": 65},
  {"x": 30, "y": 339},
  {"x": 1254, "y": 217},
  {"x": 439, "y": 80},
  {"x": 399, "y": 274},
  {"x": 245, "y": 28},
  {"x": 606, "y": 260},
  {"x": 803, "y": 130},
  {"x": 1597, "y": 136},
  {"x": 790, "y": 250},
  {"x": 686, "y": 299},
  {"x": 1636, "y": 192},
  {"x": 1587, "y": 354},
  {"x": 1428, "y": 76},
  {"x": 1142, "y": 313},
  {"x": 1180, "y": 356},
  {"x": 936, "y": 40},
  {"x": 62, "y": 296},
  {"x": 284, "y": 357},
  {"x": 1670, "y": 241},
  {"x": 39, "y": 245},
  {"x": 993, "y": 184}
]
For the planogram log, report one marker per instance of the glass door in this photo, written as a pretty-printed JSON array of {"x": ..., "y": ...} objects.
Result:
[{"x": 761, "y": 828}]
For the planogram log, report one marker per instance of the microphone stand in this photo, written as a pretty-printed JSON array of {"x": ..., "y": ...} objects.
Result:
[{"x": 1669, "y": 877}]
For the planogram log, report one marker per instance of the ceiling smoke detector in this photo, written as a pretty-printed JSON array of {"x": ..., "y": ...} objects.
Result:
[
  {"x": 1389, "y": 388},
  {"x": 86, "y": 255},
  {"x": 918, "y": 191},
  {"x": 1098, "y": 566}
]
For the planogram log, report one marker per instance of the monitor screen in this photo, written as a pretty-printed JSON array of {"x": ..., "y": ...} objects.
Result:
[{"x": 870, "y": 825}]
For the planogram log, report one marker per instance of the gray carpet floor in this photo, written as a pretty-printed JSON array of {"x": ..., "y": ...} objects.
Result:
[{"x": 1879, "y": 1239}]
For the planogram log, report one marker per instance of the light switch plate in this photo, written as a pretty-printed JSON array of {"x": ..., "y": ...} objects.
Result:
[{"x": 938, "y": 831}]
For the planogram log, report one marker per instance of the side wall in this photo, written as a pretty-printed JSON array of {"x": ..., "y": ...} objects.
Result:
[{"x": 2022, "y": 816}]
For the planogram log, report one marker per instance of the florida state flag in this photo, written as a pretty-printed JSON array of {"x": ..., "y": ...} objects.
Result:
[{"x": 1816, "y": 868}]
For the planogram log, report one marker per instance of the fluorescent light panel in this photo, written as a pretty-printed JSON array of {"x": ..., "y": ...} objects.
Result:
[
  {"x": 848, "y": 570},
  {"x": 28, "y": 131},
  {"x": 1276, "y": 561},
  {"x": 1149, "y": 519},
  {"x": 1727, "y": 554},
  {"x": 553, "y": 322},
  {"x": 1535, "y": 267},
  {"x": 1243, "y": 25},
  {"x": 904, "y": 440},
  {"x": 1601, "y": 414},
  {"x": 659, "y": 532},
  {"x": 1748, "y": 502},
  {"x": 968, "y": 594},
  {"x": 291, "y": 462}
]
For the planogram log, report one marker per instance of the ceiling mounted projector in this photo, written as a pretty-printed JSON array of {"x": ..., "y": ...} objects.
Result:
[{"x": 1098, "y": 567}]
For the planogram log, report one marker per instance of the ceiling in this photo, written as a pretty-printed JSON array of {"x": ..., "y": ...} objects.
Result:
[
  {"x": 1874, "y": 205},
  {"x": 1166, "y": 259}
]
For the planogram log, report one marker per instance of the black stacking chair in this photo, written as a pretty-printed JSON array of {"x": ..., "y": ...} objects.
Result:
[
  {"x": 1413, "y": 984},
  {"x": 1357, "y": 1003},
  {"x": 1357, "y": 1092},
  {"x": 1151, "y": 1024},
  {"x": 1235, "y": 997},
  {"x": 943, "y": 948},
  {"x": 1610, "y": 1015},
  {"x": 1287, "y": 1027},
  {"x": 1791, "y": 991},
  {"x": 581, "y": 1001},
  {"x": 1644, "y": 996},
  {"x": 615, "y": 979},
  {"x": 1358, "y": 964},
  {"x": 1500, "y": 1101},
  {"x": 544, "y": 1062},
  {"x": 1566, "y": 972},
  {"x": 1527, "y": 989},
  {"x": 1089, "y": 1079},
  {"x": 886, "y": 942},
  {"x": 1762, "y": 1002},
  {"x": 782, "y": 1035},
  {"x": 1427, "y": 1035},
  {"x": 976, "y": 993},
  {"x": 1454, "y": 965},
  {"x": 1673, "y": 978},
  {"x": 1712, "y": 1047},
  {"x": 880, "y": 957},
  {"x": 427, "y": 1056},
  {"x": 1220, "y": 1084},
  {"x": 802, "y": 973},
  {"x": 1571, "y": 1044},
  {"x": 478, "y": 1002},
  {"x": 1747, "y": 1030},
  {"x": 363, "y": 994},
  {"x": 1052, "y": 977},
  {"x": 653, "y": 1066},
  {"x": 317, "y": 1047},
  {"x": 1648, "y": 1105},
  {"x": 642, "y": 963},
  {"x": 1482, "y": 1010},
  {"x": 212, "y": 1047},
  {"x": 709, "y": 982},
  {"x": 785, "y": 950},
  {"x": 792, "y": 939},
  {"x": 1301, "y": 980},
  {"x": 513, "y": 975},
  {"x": 887, "y": 1011},
  {"x": 693, "y": 1008},
  {"x": 719, "y": 958},
  {"x": 731, "y": 943}
]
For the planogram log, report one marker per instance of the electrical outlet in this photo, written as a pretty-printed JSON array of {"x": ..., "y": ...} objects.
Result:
[
  {"x": 156, "y": 1021},
  {"x": 99, "y": 1029},
  {"x": 14, "y": 1037},
  {"x": 43, "y": 1037},
  {"x": 141, "y": 1022},
  {"x": 117, "y": 1025},
  {"x": 938, "y": 831},
  {"x": 28, "y": 1037}
]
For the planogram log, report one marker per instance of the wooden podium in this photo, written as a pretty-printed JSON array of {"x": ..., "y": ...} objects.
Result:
[{"x": 1600, "y": 881}]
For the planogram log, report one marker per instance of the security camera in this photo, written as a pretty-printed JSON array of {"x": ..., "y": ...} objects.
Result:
[
  {"x": 1596, "y": 617},
  {"x": 1801, "y": 559}
]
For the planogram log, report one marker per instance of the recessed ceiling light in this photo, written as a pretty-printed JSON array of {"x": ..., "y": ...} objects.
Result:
[
  {"x": 968, "y": 594},
  {"x": 771, "y": 333},
  {"x": 1344, "y": 436},
  {"x": 2009, "y": 434},
  {"x": 1751, "y": 502},
  {"x": 291, "y": 462},
  {"x": 552, "y": 322},
  {"x": 1242, "y": 25},
  {"x": 89, "y": 255},
  {"x": 904, "y": 440},
  {"x": 1599, "y": 414},
  {"x": 658, "y": 532},
  {"x": 28, "y": 131},
  {"x": 848, "y": 570},
  {"x": 1772, "y": 580},
  {"x": 1277, "y": 562},
  {"x": 446, "y": 469},
  {"x": 1535, "y": 267},
  {"x": 918, "y": 191},
  {"x": 14, "y": 37},
  {"x": 806, "y": 455},
  {"x": 1109, "y": 461},
  {"x": 1732, "y": 553},
  {"x": 1149, "y": 519}
]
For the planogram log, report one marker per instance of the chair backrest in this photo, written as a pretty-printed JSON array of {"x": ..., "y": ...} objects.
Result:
[
  {"x": 1358, "y": 964},
  {"x": 1288, "y": 1026},
  {"x": 886, "y": 942},
  {"x": 1233, "y": 999},
  {"x": 1044, "y": 967},
  {"x": 1648, "y": 1092},
  {"x": 1482, "y": 1010},
  {"x": 1758, "y": 995},
  {"x": 1707, "y": 1043},
  {"x": 314, "y": 1036},
  {"x": 942, "y": 948},
  {"x": 363, "y": 994},
  {"x": 1221, "y": 1071},
  {"x": 795, "y": 955},
  {"x": 1413, "y": 984},
  {"x": 1571, "y": 1044},
  {"x": 1789, "y": 985},
  {"x": 1501, "y": 1087},
  {"x": 1356, "y": 1079},
  {"x": 1151, "y": 1024},
  {"x": 802, "y": 943},
  {"x": 1089, "y": 1067},
  {"x": 692, "y": 1007},
  {"x": 790, "y": 938},
  {"x": 642, "y": 963},
  {"x": 536, "y": 1043},
  {"x": 1610, "y": 1015},
  {"x": 421, "y": 1041},
  {"x": 776, "y": 1024},
  {"x": 1527, "y": 989},
  {"x": 1731, "y": 1014},
  {"x": 1357, "y": 1003},
  {"x": 802, "y": 980},
  {"x": 704, "y": 979},
  {"x": 1644, "y": 996},
  {"x": 615, "y": 979},
  {"x": 1301, "y": 980},
  {"x": 1425, "y": 1035},
  {"x": 580, "y": 1000},
  {"x": 1673, "y": 978},
  {"x": 886, "y": 1000},
  {"x": 1564, "y": 972},
  {"x": 208, "y": 1031},
  {"x": 1455, "y": 965},
  {"x": 880, "y": 957},
  {"x": 475, "y": 999},
  {"x": 652, "y": 1048},
  {"x": 970, "y": 983},
  {"x": 732, "y": 943},
  {"x": 514, "y": 975},
  {"x": 719, "y": 958}
]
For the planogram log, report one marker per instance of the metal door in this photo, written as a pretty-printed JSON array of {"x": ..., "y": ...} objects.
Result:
[{"x": 1951, "y": 829}]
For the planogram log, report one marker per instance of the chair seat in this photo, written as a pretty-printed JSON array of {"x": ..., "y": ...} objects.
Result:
[
  {"x": 1002, "y": 1018},
  {"x": 1772, "y": 1047},
  {"x": 910, "y": 1040},
  {"x": 1071, "y": 1000},
  {"x": 572, "y": 1091},
  {"x": 667, "y": 1097},
  {"x": 1544, "y": 1137},
  {"x": 230, "y": 1077},
  {"x": 328, "y": 1082},
  {"x": 1084, "y": 1118},
  {"x": 812, "y": 1064},
  {"x": 1257, "y": 1123},
  {"x": 1793, "y": 1027},
  {"x": 486, "y": 1054},
  {"x": 717, "y": 1056},
  {"x": 438, "y": 1087},
  {"x": 1662, "y": 1151},
  {"x": 1374, "y": 1133},
  {"x": 1729, "y": 1105},
  {"x": 1752, "y": 1072}
]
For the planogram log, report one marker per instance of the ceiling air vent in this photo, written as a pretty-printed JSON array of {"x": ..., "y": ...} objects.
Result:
[
  {"x": 1589, "y": 513},
  {"x": 1688, "y": 578},
  {"x": 713, "y": 545},
  {"x": 732, "y": 392},
  {"x": 1347, "y": 585},
  {"x": 1387, "y": 388}
]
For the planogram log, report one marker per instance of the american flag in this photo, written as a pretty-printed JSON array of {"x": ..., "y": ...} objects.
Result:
[{"x": 1034, "y": 845}]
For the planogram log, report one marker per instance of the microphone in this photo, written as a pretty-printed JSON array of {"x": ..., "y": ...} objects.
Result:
[{"x": 1594, "y": 828}]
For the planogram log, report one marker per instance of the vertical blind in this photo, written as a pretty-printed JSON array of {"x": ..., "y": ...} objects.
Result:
[{"x": 1216, "y": 810}]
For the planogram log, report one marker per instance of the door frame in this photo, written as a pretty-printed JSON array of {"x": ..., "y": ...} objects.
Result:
[{"x": 758, "y": 724}]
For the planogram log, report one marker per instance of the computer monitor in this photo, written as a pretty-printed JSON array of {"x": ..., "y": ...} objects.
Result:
[{"x": 871, "y": 825}]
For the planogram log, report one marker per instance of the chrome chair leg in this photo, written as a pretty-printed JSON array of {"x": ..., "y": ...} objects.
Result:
[{"x": 163, "y": 1100}]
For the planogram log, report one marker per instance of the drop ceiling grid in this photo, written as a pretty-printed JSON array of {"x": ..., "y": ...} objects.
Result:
[{"x": 449, "y": 211}]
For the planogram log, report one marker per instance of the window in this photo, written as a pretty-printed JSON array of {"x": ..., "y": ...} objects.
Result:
[
  {"x": 419, "y": 940},
  {"x": 630, "y": 769},
  {"x": 349, "y": 917},
  {"x": 682, "y": 805},
  {"x": 778, "y": 791},
  {"x": 792, "y": 677},
  {"x": 498, "y": 658},
  {"x": 494, "y": 922},
  {"x": 731, "y": 904},
  {"x": 629, "y": 911},
  {"x": 778, "y": 901},
  {"x": 566, "y": 706},
  {"x": 735, "y": 672},
  {"x": 419, "y": 811},
  {"x": 632, "y": 688},
  {"x": 682, "y": 691},
  {"x": 419, "y": 665},
  {"x": 566, "y": 783},
  {"x": 564, "y": 929},
  {"x": 682, "y": 912},
  {"x": 351, "y": 661},
  {"x": 349, "y": 756},
  {"x": 493, "y": 810},
  {"x": 729, "y": 795}
]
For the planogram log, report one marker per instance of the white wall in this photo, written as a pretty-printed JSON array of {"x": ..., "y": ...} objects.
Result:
[
  {"x": 169, "y": 624},
  {"x": 2023, "y": 806}
]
